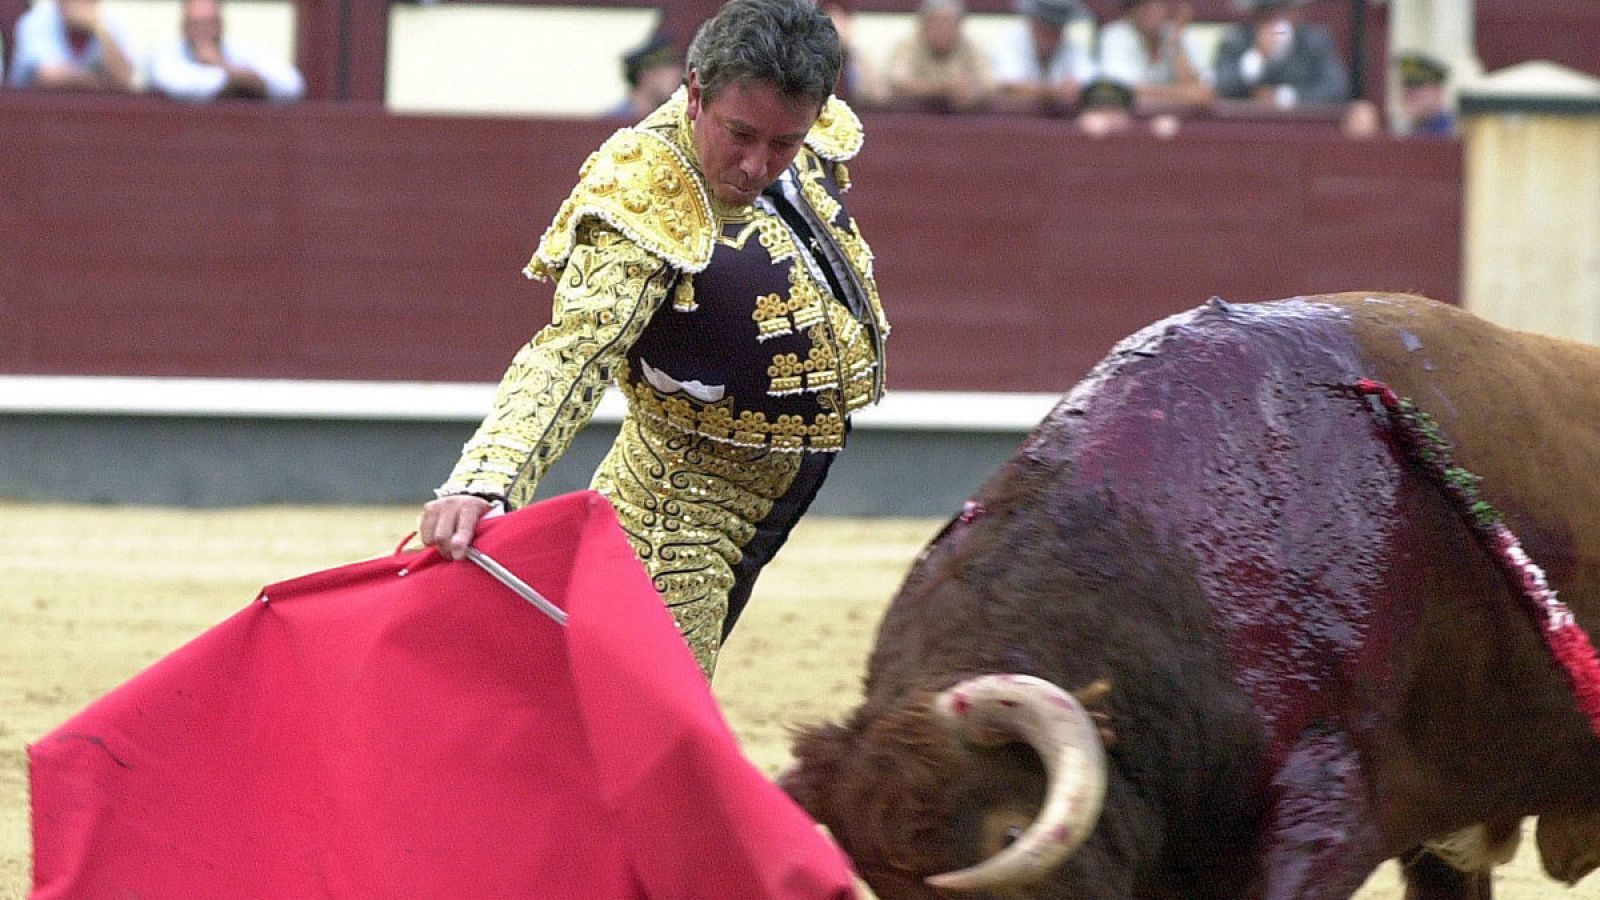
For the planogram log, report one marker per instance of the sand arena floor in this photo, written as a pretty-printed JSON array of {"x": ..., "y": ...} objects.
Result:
[{"x": 91, "y": 595}]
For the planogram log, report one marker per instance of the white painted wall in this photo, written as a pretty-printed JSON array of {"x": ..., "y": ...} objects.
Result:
[
  {"x": 482, "y": 59},
  {"x": 566, "y": 61}
]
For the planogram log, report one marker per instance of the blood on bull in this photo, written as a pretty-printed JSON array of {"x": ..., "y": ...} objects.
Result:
[{"x": 1221, "y": 630}]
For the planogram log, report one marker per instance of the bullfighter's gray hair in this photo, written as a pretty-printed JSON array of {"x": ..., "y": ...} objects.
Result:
[{"x": 790, "y": 44}]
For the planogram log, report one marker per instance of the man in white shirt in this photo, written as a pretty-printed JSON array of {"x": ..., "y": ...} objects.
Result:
[
  {"x": 1152, "y": 50},
  {"x": 203, "y": 66},
  {"x": 71, "y": 46},
  {"x": 1038, "y": 65}
]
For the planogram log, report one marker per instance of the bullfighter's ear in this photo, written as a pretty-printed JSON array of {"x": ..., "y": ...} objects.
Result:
[{"x": 1093, "y": 698}]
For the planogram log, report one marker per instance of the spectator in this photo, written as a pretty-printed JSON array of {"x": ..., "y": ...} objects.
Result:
[
  {"x": 653, "y": 70},
  {"x": 1152, "y": 50},
  {"x": 71, "y": 45},
  {"x": 1275, "y": 59},
  {"x": 1105, "y": 107},
  {"x": 860, "y": 83},
  {"x": 937, "y": 65},
  {"x": 1038, "y": 66},
  {"x": 202, "y": 66},
  {"x": 1425, "y": 106},
  {"x": 1362, "y": 120}
]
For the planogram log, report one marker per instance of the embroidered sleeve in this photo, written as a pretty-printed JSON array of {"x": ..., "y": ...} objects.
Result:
[{"x": 605, "y": 296}]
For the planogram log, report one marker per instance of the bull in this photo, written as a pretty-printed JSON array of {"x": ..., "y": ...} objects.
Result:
[{"x": 1213, "y": 633}]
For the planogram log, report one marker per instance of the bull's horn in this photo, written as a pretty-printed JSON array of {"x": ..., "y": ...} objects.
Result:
[{"x": 998, "y": 709}]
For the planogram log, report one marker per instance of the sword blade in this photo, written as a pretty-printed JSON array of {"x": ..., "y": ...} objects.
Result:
[{"x": 505, "y": 576}]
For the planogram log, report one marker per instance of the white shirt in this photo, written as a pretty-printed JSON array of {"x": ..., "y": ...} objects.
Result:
[
  {"x": 1016, "y": 61},
  {"x": 1123, "y": 55},
  {"x": 175, "y": 73},
  {"x": 42, "y": 41}
]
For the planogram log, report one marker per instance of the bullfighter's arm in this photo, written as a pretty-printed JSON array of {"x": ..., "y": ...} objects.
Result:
[{"x": 605, "y": 296}]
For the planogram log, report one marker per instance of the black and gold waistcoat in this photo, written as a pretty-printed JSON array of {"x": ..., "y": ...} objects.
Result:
[{"x": 741, "y": 338}]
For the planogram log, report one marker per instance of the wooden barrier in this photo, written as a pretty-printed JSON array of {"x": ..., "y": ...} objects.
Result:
[
  {"x": 1532, "y": 201},
  {"x": 337, "y": 242}
]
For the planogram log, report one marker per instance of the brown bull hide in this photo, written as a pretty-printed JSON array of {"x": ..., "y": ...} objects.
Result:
[
  {"x": 1315, "y": 666},
  {"x": 1569, "y": 844}
]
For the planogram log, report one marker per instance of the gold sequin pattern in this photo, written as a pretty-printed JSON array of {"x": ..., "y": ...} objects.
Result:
[
  {"x": 751, "y": 428},
  {"x": 837, "y": 134},
  {"x": 777, "y": 316},
  {"x": 643, "y": 186},
  {"x": 688, "y": 505},
  {"x": 603, "y": 301}
]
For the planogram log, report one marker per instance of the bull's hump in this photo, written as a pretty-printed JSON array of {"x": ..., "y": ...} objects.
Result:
[
  {"x": 1192, "y": 350},
  {"x": 1230, "y": 428}
]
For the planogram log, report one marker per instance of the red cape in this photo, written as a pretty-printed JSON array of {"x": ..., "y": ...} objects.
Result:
[{"x": 409, "y": 727}]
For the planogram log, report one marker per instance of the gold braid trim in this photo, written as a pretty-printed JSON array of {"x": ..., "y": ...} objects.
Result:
[
  {"x": 644, "y": 187},
  {"x": 689, "y": 507},
  {"x": 837, "y": 136}
]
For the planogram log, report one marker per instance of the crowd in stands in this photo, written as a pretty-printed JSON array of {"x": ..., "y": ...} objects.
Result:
[
  {"x": 1147, "y": 64},
  {"x": 75, "y": 45},
  {"x": 1147, "y": 67}
]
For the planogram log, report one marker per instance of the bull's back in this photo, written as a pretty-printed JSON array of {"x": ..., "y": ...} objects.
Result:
[{"x": 1522, "y": 411}]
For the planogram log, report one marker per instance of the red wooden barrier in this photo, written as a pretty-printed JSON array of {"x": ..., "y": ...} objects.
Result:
[{"x": 320, "y": 241}]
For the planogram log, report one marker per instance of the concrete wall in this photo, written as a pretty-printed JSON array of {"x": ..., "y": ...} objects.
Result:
[{"x": 227, "y": 442}]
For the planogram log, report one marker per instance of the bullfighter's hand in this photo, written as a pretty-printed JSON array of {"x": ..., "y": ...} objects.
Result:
[{"x": 449, "y": 523}]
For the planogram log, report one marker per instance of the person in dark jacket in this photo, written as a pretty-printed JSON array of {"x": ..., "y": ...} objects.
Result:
[{"x": 1276, "y": 59}]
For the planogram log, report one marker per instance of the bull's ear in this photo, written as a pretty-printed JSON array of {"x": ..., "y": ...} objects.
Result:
[
  {"x": 1094, "y": 693},
  {"x": 1095, "y": 697}
]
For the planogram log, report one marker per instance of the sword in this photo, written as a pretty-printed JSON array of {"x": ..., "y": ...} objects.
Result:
[{"x": 503, "y": 575}]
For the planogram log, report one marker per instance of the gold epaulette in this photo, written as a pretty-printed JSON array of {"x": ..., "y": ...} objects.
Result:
[
  {"x": 837, "y": 135},
  {"x": 641, "y": 185}
]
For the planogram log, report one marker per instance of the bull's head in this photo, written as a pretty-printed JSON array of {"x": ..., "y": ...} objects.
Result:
[{"x": 949, "y": 781}]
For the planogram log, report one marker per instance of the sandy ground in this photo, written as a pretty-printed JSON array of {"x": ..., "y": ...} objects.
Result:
[{"x": 91, "y": 595}]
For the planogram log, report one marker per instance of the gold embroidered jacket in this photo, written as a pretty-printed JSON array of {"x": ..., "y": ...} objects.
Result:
[
  {"x": 639, "y": 224},
  {"x": 737, "y": 346}
]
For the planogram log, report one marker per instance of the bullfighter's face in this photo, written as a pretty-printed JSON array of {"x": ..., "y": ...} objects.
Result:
[{"x": 746, "y": 135}]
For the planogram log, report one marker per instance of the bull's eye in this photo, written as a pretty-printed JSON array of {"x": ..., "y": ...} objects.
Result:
[{"x": 1002, "y": 827}]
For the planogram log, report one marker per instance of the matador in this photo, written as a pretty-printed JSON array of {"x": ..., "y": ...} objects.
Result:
[{"x": 742, "y": 337}]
